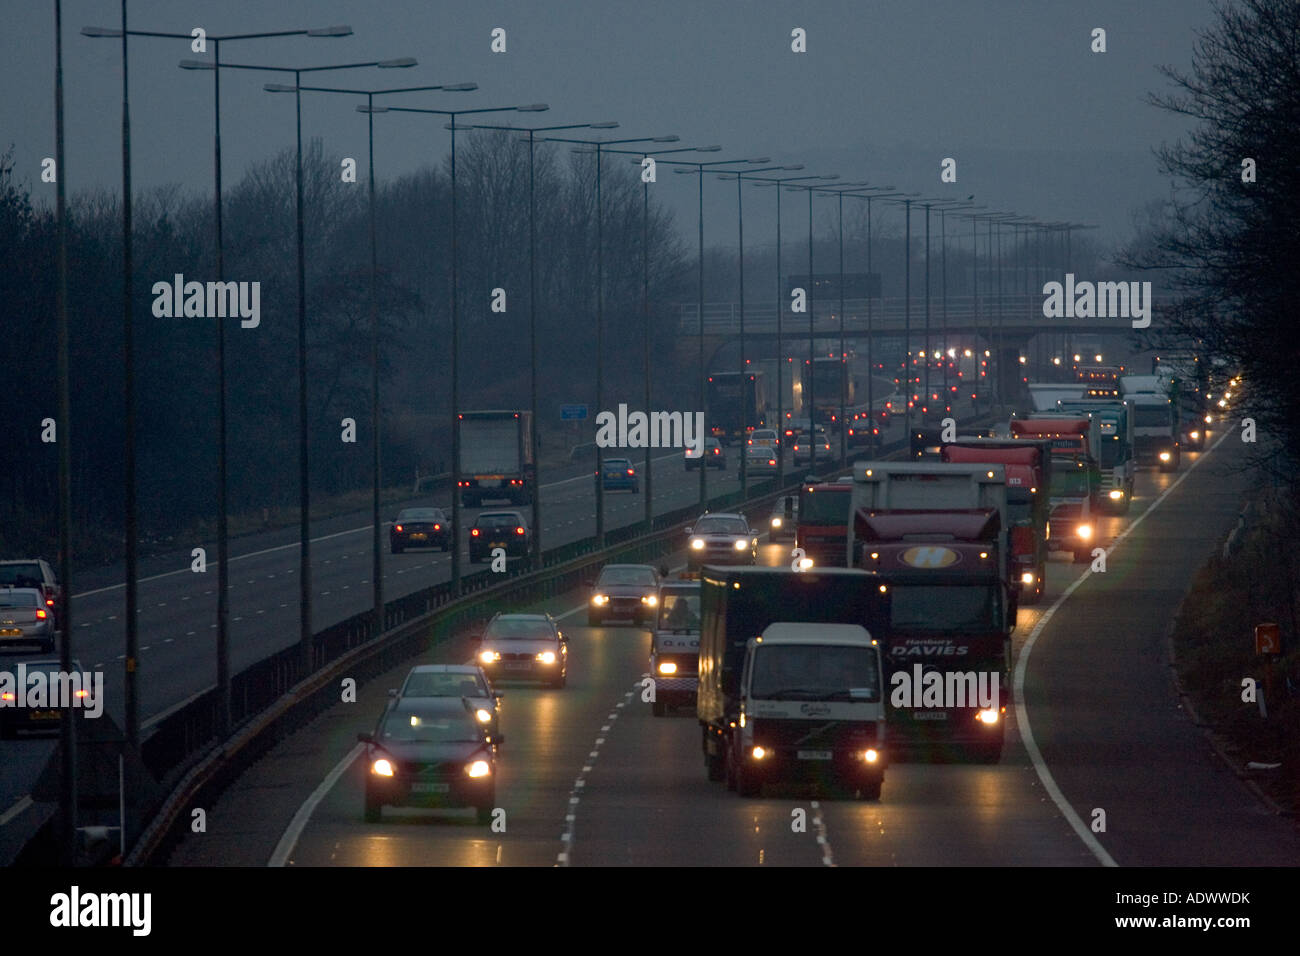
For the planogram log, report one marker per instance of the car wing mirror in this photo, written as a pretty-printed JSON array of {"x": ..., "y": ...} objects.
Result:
[{"x": 365, "y": 738}]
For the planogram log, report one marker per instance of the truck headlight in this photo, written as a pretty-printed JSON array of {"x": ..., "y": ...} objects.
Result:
[
  {"x": 776, "y": 522},
  {"x": 871, "y": 755},
  {"x": 1027, "y": 579},
  {"x": 667, "y": 667},
  {"x": 697, "y": 544},
  {"x": 1116, "y": 494},
  {"x": 649, "y": 600},
  {"x": 1195, "y": 436},
  {"x": 741, "y": 545},
  {"x": 1165, "y": 456},
  {"x": 1084, "y": 531},
  {"x": 989, "y": 715},
  {"x": 759, "y": 753}
]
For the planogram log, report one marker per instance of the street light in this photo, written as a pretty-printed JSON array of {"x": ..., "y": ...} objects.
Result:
[
  {"x": 763, "y": 182},
  {"x": 532, "y": 303},
  {"x": 744, "y": 371},
  {"x": 455, "y": 318},
  {"x": 377, "y": 568},
  {"x": 304, "y": 524},
  {"x": 600, "y": 305}
]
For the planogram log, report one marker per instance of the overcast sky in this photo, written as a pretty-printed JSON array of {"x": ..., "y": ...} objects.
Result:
[{"x": 1037, "y": 122}]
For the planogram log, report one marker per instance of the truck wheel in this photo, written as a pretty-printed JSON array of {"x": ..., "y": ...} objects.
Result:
[
  {"x": 713, "y": 763},
  {"x": 658, "y": 708},
  {"x": 730, "y": 763}
]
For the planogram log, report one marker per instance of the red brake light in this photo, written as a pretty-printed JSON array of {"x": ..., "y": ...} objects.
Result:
[
  {"x": 40, "y": 614},
  {"x": 519, "y": 530},
  {"x": 717, "y": 451},
  {"x": 83, "y": 693},
  {"x": 398, "y": 528},
  {"x": 437, "y": 527},
  {"x": 7, "y": 695},
  {"x": 49, "y": 602},
  {"x": 631, "y": 472},
  {"x": 473, "y": 532}
]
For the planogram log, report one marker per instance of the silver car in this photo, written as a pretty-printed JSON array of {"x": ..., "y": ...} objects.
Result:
[
  {"x": 467, "y": 681},
  {"x": 721, "y": 538},
  {"x": 25, "y": 619}
]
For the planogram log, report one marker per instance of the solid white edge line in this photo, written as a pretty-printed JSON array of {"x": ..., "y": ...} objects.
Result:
[
  {"x": 1022, "y": 662},
  {"x": 289, "y": 839},
  {"x": 16, "y": 809}
]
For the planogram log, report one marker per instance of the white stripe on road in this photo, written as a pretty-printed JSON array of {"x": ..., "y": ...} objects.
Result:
[
  {"x": 289, "y": 839},
  {"x": 16, "y": 809},
  {"x": 1022, "y": 663}
]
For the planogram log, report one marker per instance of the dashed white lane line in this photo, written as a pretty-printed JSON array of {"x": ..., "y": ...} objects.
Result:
[
  {"x": 819, "y": 825},
  {"x": 580, "y": 784},
  {"x": 289, "y": 839}
]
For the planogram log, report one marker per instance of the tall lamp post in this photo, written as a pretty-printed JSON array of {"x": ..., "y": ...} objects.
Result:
[
  {"x": 532, "y": 132},
  {"x": 744, "y": 365},
  {"x": 599, "y": 145},
  {"x": 455, "y": 316},
  {"x": 377, "y": 565},
  {"x": 775, "y": 183},
  {"x": 304, "y": 503}
]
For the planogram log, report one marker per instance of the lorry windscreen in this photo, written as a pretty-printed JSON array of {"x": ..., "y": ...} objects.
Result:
[
  {"x": 1153, "y": 416},
  {"x": 814, "y": 672},
  {"x": 825, "y": 507},
  {"x": 945, "y": 608},
  {"x": 1069, "y": 482},
  {"x": 1020, "y": 507},
  {"x": 1110, "y": 453}
]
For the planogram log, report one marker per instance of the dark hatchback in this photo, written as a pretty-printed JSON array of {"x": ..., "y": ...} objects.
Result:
[
  {"x": 499, "y": 529},
  {"x": 429, "y": 752},
  {"x": 420, "y": 528}
]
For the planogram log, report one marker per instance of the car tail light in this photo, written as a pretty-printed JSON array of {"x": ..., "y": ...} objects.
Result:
[
  {"x": 631, "y": 472},
  {"x": 717, "y": 451},
  {"x": 437, "y": 527},
  {"x": 49, "y": 602},
  {"x": 519, "y": 530},
  {"x": 473, "y": 532},
  {"x": 397, "y": 528},
  {"x": 40, "y": 614},
  {"x": 771, "y": 461}
]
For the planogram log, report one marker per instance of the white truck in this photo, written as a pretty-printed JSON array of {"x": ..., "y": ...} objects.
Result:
[
  {"x": 811, "y": 707},
  {"x": 497, "y": 457}
]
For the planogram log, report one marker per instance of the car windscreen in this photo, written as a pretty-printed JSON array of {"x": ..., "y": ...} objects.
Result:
[
  {"x": 420, "y": 514},
  {"x": 634, "y": 576},
  {"x": 519, "y": 631},
  {"x": 815, "y": 672},
  {"x": 824, "y": 507},
  {"x": 679, "y": 612},
  {"x": 497, "y": 521},
  {"x": 403, "y": 726},
  {"x": 720, "y": 526},
  {"x": 443, "y": 684},
  {"x": 944, "y": 608},
  {"x": 20, "y": 575},
  {"x": 20, "y": 599}
]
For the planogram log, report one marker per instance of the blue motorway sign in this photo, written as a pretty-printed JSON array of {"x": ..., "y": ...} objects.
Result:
[{"x": 573, "y": 413}]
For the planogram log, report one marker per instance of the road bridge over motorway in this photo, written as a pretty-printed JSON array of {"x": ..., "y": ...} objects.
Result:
[{"x": 1007, "y": 324}]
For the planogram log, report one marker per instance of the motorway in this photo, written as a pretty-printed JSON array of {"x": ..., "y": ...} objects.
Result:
[
  {"x": 588, "y": 777},
  {"x": 177, "y": 607}
]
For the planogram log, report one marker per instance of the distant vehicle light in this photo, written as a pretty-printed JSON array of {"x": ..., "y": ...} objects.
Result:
[
  {"x": 398, "y": 528},
  {"x": 1195, "y": 436},
  {"x": 776, "y": 522},
  {"x": 870, "y": 755},
  {"x": 40, "y": 614},
  {"x": 482, "y": 715},
  {"x": 1165, "y": 456},
  {"x": 1116, "y": 494},
  {"x": 1084, "y": 531},
  {"x": 759, "y": 753},
  {"x": 473, "y": 532},
  {"x": 667, "y": 667},
  {"x": 519, "y": 530},
  {"x": 1027, "y": 579}
]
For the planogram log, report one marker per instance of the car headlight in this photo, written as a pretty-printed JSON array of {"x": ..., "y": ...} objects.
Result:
[
  {"x": 805, "y": 564},
  {"x": 600, "y": 599},
  {"x": 650, "y": 600},
  {"x": 482, "y": 715},
  {"x": 741, "y": 545},
  {"x": 871, "y": 755},
  {"x": 697, "y": 544},
  {"x": 479, "y": 768},
  {"x": 547, "y": 657},
  {"x": 1196, "y": 436},
  {"x": 1084, "y": 531},
  {"x": 487, "y": 657},
  {"x": 667, "y": 667},
  {"x": 776, "y": 522},
  {"x": 989, "y": 715},
  {"x": 382, "y": 767},
  {"x": 1165, "y": 456},
  {"x": 759, "y": 753},
  {"x": 1027, "y": 579},
  {"x": 1116, "y": 494}
]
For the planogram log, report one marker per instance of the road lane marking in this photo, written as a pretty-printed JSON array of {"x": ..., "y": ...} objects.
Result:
[
  {"x": 293, "y": 831},
  {"x": 1022, "y": 662},
  {"x": 16, "y": 809}
]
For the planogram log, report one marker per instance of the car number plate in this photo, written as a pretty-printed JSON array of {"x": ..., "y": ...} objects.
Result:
[
  {"x": 814, "y": 755},
  {"x": 418, "y": 536},
  {"x": 498, "y": 544},
  {"x": 430, "y": 788},
  {"x": 930, "y": 715},
  {"x": 518, "y": 665},
  {"x": 11, "y": 632},
  {"x": 45, "y": 715}
]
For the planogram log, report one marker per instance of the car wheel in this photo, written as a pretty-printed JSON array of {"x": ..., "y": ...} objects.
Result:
[
  {"x": 560, "y": 681},
  {"x": 658, "y": 708},
  {"x": 374, "y": 811},
  {"x": 593, "y": 620},
  {"x": 483, "y": 812}
]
